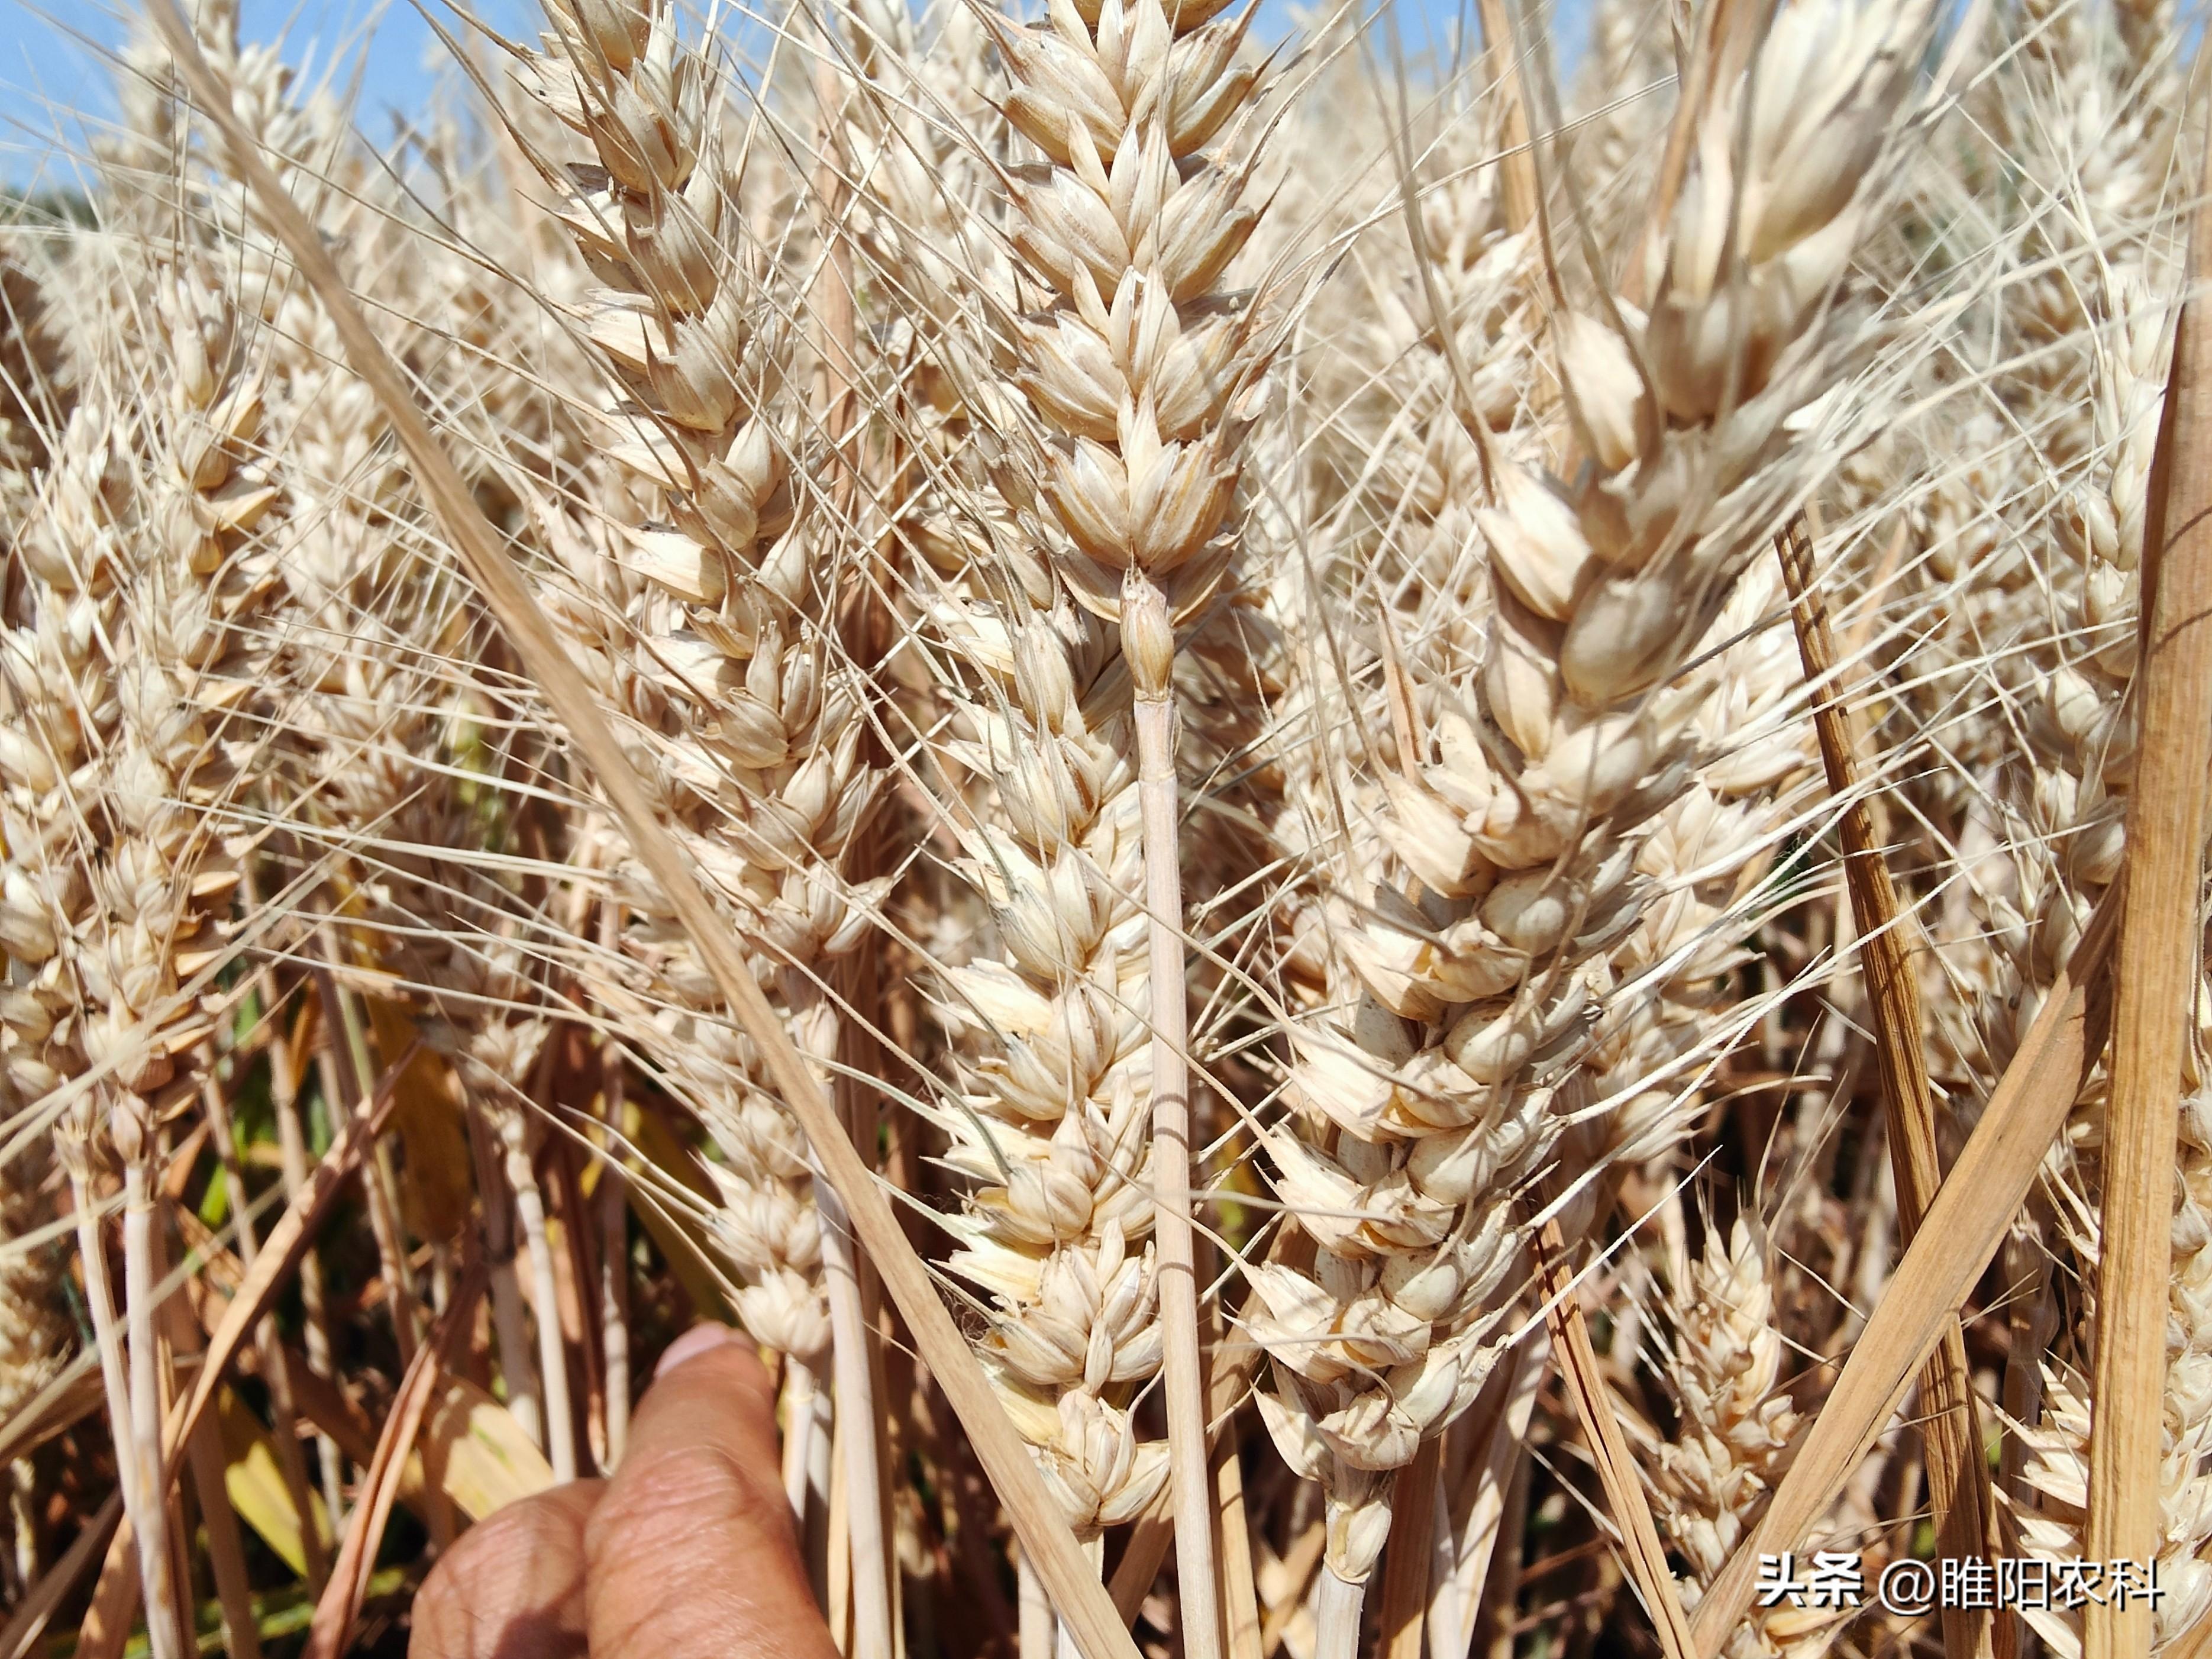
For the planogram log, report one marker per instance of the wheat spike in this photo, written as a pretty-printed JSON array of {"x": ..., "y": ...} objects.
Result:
[
  {"x": 1453, "y": 1071},
  {"x": 1112, "y": 381}
]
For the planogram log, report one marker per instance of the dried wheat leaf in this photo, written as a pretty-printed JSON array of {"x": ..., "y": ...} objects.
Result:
[
  {"x": 473, "y": 1451},
  {"x": 2156, "y": 977},
  {"x": 1957, "y": 1240},
  {"x": 1959, "y": 1486},
  {"x": 427, "y": 1114},
  {"x": 254, "y": 1479}
]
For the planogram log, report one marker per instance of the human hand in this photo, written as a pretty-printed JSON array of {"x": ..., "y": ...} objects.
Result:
[{"x": 686, "y": 1553}]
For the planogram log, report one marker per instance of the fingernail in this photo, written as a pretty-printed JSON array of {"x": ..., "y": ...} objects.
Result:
[{"x": 690, "y": 1345}]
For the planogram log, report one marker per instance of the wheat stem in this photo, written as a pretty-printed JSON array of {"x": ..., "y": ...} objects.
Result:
[
  {"x": 1227, "y": 1382},
  {"x": 510, "y": 1321},
  {"x": 151, "y": 1477},
  {"x": 23, "y": 1526},
  {"x": 856, "y": 1412},
  {"x": 546, "y": 1299},
  {"x": 344, "y": 1082},
  {"x": 1338, "y": 1603},
  {"x": 1233, "y": 1540},
  {"x": 795, "y": 1405},
  {"x": 100, "y": 1304},
  {"x": 851, "y": 1347},
  {"x": 1036, "y": 1638},
  {"x": 1148, "y": 647}
]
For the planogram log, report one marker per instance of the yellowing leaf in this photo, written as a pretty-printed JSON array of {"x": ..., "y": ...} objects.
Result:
[
  {"x": 427, "y": 1112},
  {"x": 476, "y": 1453},
  {"x": 687, "y": 1257},
  {"x": 254, "y": 1480}
]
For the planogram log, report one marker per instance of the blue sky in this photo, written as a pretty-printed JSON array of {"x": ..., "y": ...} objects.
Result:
[{"x": 56, "y": 58}]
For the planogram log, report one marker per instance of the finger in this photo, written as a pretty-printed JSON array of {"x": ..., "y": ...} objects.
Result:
[
  {"x": 513, "y": 1588},
  {"x": 691, "y": 1554}
]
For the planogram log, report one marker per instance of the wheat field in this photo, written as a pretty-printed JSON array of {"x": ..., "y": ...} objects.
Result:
[{"x": 1392, "y": 841}]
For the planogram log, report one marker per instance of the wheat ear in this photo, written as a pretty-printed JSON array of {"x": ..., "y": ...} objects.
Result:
[
  {"x": 34, "y": 1332},
  {"x": 1044, "y": 1108},
  {"x": 130, "y": 854},
  {"x": 1736, "y": 1420},
  {"x": 1136, "y": 378},
  {"x": 1479, "y": 965},
  {"x": 1086, "y": 1606},
  {"x": 74, "y": 516},
  {"x": 778, "y": 801}
]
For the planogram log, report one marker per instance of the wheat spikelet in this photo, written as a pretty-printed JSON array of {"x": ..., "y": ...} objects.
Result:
[{"x": 1436, "y": 340}]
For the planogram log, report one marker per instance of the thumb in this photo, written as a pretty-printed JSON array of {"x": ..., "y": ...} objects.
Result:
[{"x": 691, "y": 1553}]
